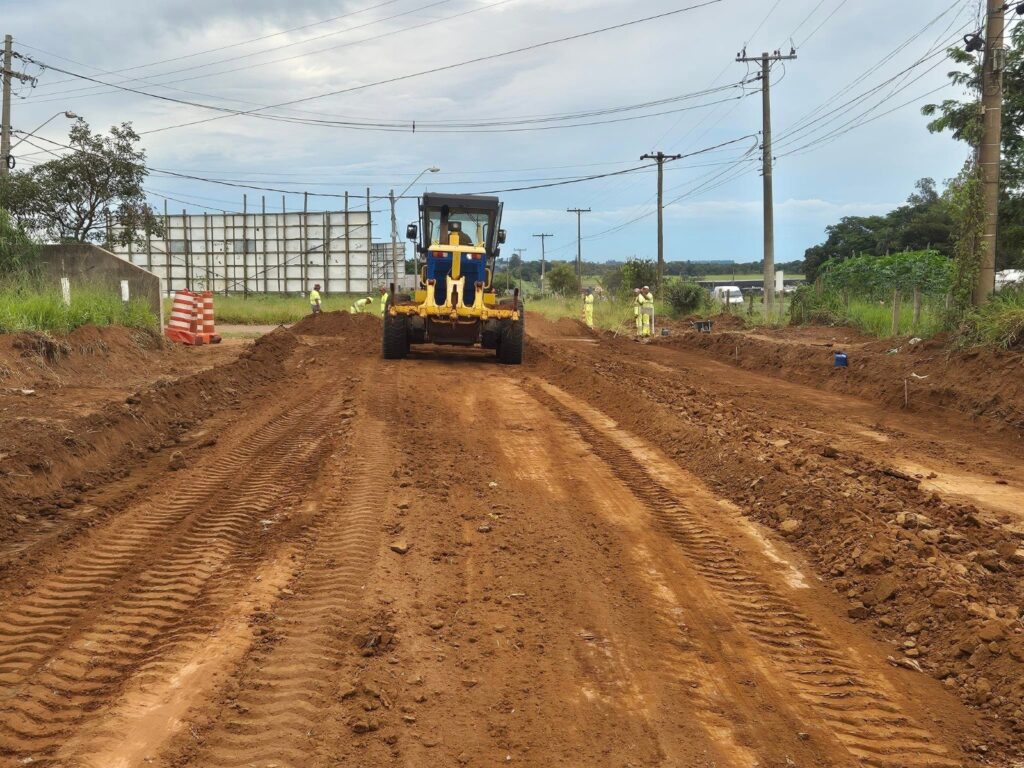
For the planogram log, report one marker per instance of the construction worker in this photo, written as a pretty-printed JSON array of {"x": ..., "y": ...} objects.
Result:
[
  {"x": 588, "y": 308},
  {"x": 314, "y": 300},
  {"x": 357, "y": 308},
  {"x": 646, "y": 312},
  {"x": 638, "y": 302},
  {"x": 383, "y": 300}
]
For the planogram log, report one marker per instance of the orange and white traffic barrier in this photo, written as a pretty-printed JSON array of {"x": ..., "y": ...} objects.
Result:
[
  {"x": 182, "y": 325},
  {"x": 204, "y": 310}
]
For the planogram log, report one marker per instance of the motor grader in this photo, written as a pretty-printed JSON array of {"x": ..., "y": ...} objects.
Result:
[{"x": 457, "y": 241}]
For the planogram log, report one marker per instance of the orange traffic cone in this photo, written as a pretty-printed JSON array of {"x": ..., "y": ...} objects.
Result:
[
  {"x": 181, "y": 328},
  {"x": 206, "y": 329}
]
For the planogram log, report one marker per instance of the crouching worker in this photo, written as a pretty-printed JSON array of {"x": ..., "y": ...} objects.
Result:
[{"x": 360, "y": 305}]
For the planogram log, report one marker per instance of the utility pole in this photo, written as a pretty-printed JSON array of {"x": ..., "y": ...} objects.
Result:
[
  {"x": 991, "y": 145},
  {"x": 519, "y": 252},
  {"x": 542, "y": 237},
  {"x": 579, "y": 244},
  {"x": 661, "y": 157},
  {"x": 5, "y": 119},
  {"x": 394, "y": 247},
  {"x": 766, "y": 60}
]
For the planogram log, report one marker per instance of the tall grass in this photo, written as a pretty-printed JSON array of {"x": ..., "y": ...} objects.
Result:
[
  {"x": 999, "y": 323},
  {"x": 27, "y": 308}
]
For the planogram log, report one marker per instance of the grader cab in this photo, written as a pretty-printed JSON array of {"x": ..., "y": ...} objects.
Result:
[{"x": 457, "y": 240}]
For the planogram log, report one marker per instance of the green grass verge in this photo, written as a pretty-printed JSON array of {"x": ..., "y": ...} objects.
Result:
[{"x": 24, "y": 308}]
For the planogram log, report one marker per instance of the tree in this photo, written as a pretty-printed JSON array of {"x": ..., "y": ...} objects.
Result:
[
  {"x": 963, "y": 118},
  {"x": 925, "y": 223},
  {"x": 561, "y": 279},
  {"x": 71, "y": 198},
  {"x": 17, "y": 251}
]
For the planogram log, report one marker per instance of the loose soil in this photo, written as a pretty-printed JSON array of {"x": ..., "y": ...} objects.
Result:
[{"x": 299, "y": 554}]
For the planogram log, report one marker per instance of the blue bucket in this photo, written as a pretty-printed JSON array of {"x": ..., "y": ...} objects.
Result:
[{"x": 840, "y": 359}]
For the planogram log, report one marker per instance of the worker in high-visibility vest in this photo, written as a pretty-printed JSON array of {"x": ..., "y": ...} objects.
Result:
[
  {"x": 314, "y": 300},
  {"x": 588, "y": 308},
  {"x": 638, "y": 303},
  {"x": 383, "y": 300},
  {"x": 646, "y": 312},
  {"x": 360, "y": 304}
]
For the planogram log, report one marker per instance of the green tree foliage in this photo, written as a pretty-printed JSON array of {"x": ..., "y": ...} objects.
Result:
[
  {"x": 963, "y": 118},
  {"x": 635, "y": 273},
  {"x": 69, "y": 198},
  {"x": 17, "y": 251},
  {"x": 562, "y": 280},
  {"x": 876, "y": 277},
  {"x": 924, "y": 222},
  {"x": 685, "y": 296}
]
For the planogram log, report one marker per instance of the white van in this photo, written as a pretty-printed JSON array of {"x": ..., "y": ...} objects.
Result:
[{"x": 728, "y": 294}]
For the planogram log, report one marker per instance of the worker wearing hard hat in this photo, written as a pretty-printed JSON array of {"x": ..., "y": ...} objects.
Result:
[
  {"x": 357, "y": 308},
  {"x": 314, "y": 300},
  {"x": 588, "y": 307},
  {"x": 638, "y": 301},
  {"x": 383, "y": 300},
  {"x": 646, "y": 312}
]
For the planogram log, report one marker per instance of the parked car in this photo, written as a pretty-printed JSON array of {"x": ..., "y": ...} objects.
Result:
[{"x": 727, "y": 294}]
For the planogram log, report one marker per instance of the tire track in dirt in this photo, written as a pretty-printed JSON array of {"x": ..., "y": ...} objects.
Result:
[
  {"x": 288, "y": 681},
  {"x": 66, "y": 674},
  {"x": 860, "y": 713},
  {"x": 37, "y": 621}
]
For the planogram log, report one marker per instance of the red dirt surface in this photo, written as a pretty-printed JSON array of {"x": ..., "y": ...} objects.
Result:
[
  {"x": 614, "y": 555},
  {"x": 983, "y": 383}
]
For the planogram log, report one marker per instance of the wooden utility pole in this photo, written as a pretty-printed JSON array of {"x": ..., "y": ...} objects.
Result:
[
  {"x": 991, "y": 145},
  {"x": 579, "y": 243},
  {"x": 542, "y": 237},
  {"x": 765, "y": 60},
  {"x": 519, "y": 252},
  {"x": 660, "y": 157}
]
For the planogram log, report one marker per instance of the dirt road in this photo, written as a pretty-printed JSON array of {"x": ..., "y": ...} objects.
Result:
[{"x": 580, "y": 562}]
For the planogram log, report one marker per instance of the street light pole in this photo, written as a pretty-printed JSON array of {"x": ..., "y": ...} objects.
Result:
[
  {"x": 68, "y": 114},
  {"x": 394, "y": 227}
]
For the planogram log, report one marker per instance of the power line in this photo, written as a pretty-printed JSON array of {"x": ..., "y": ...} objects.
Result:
[
  {"x": 449, "y": 67},
  {"x": 219, "y": 48}
]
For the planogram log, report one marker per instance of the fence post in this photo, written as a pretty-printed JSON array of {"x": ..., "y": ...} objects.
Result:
[
  {"x": 895, "y": 312},
  {"x": 917, "y": 306}
]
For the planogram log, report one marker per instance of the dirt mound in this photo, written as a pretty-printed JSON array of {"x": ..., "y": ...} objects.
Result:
[
  {"x": 89, "y": 353},
  {"x": 46, "y": 465},
  {"x": 924, "y": 376},
  {"x": 340, "y": 323}
]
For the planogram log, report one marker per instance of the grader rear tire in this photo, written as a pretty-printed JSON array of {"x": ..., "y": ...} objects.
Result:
[{"x": 396, "y": 337}]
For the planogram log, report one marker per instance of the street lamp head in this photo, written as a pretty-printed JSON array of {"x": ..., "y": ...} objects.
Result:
[
  {"x": 70, "y": 115},
  {"x": 433, "y": 169}
]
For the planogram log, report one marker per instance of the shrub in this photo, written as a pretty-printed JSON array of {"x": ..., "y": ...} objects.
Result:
[
  {"x": 685, "y": 297},
  {"x": 17, "y": 251}
]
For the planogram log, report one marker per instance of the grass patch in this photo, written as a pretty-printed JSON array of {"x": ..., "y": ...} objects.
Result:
[
  {"x": 27, "y": 308},
  {"x": 999, "y": 323}
]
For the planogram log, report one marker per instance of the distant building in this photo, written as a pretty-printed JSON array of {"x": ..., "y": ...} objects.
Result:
[{"x": 269, "y": 252}]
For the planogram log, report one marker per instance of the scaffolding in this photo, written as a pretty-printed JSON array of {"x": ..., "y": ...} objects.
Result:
[{"x": 264, "y": 252}]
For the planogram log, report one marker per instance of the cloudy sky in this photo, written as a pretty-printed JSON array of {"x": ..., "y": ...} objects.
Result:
[{"x": 849, "y": 138}]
